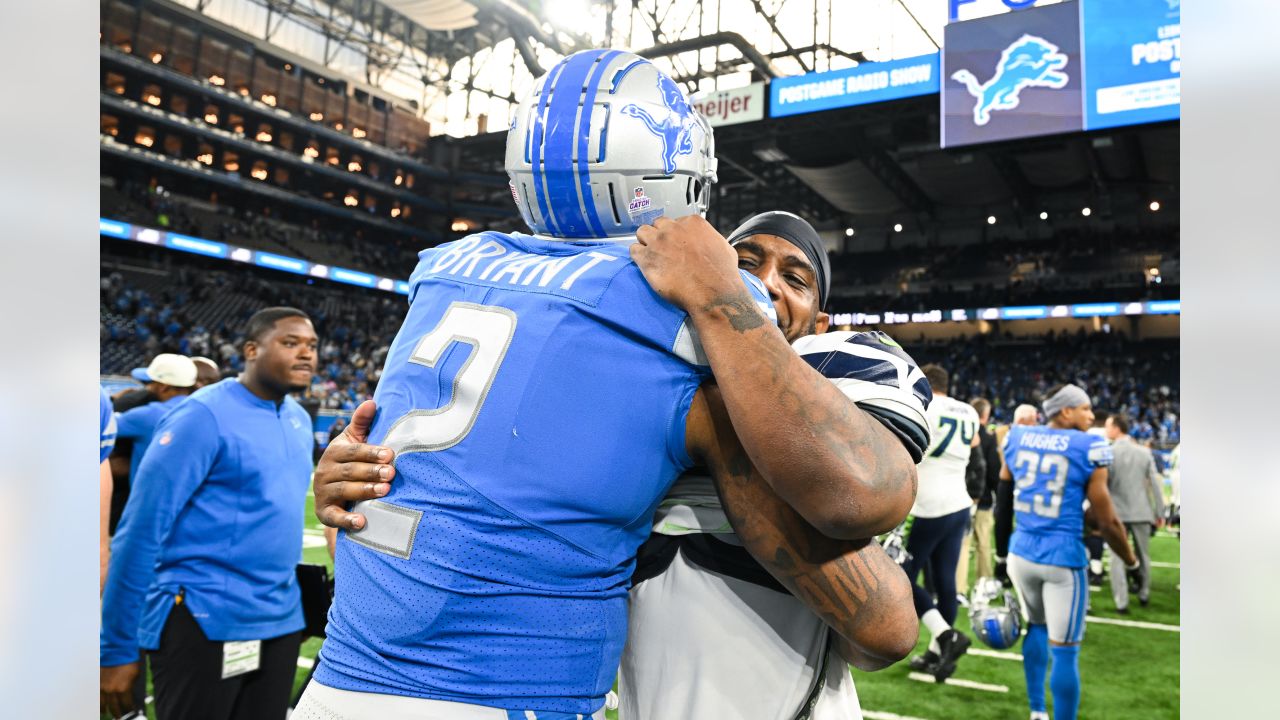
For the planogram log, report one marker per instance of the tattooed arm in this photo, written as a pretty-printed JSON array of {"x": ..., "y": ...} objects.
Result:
[
  {"x": 852, "y": 585},
  {"x": 839, "y": 467}
]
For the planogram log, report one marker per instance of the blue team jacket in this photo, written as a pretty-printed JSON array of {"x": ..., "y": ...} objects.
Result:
[{"x": 215, "y": 514}]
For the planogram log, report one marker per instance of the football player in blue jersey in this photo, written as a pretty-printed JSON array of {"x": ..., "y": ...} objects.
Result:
[
  {"x": 742, "y": 633},
  {"x": 1055, "y": 468},
  {"x": 540, "y": 399}
]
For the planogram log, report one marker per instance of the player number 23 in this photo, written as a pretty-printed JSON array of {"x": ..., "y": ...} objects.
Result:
[
  {"x": 1029, "y": 467},
  {"x": 488, "y": 329}
]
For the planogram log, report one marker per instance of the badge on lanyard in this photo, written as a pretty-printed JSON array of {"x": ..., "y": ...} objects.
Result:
[{"x": 240, "y": 657}]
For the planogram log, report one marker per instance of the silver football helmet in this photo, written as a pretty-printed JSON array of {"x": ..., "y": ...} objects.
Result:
[
  {"x": 606, "y": 143},
  {"x": 997, "y": 626}
]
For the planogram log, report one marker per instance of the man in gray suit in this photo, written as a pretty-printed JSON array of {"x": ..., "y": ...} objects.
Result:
[{"x": 1139, "y": 502}]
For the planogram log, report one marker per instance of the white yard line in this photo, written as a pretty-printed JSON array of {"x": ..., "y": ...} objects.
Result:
[
  {"x": 1135, "y": 624},
  {"x": 957, "y": 682},
  {"x": 877, "y": 715},
  {"x": 307, "y": 663},
  {"x": 983, "y": 652},
  {"x": 1176, "y": 566}
]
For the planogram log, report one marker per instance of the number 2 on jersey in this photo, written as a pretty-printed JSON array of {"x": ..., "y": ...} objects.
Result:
[
  {"x": 1029, "y": 467},
  {"x": 488, "y": 329}
]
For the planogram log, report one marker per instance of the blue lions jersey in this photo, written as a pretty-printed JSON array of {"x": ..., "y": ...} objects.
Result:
[
  {"x": 536, "y": 396},
  {"x": 1051, "y": 470}
]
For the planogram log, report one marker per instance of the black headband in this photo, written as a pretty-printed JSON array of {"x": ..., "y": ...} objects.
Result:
[{"x": 796, "y": 231}]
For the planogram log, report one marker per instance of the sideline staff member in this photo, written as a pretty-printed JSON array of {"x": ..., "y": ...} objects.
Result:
[{"x": 202, "y": 568}]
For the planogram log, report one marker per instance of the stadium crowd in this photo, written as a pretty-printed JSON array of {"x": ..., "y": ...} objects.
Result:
[
  {"x": 202, "y": 314},
  {"x": 1124, "y": 376}
]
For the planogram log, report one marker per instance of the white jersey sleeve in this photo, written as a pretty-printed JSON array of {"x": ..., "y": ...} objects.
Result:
[{"x": 879, "y": 376}]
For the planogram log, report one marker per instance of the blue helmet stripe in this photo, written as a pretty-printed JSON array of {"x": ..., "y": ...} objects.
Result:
[
  {"x": 537, "y": 133},
  {"x": 562, "y": 114},
  {"x": 584, "y": 136}
]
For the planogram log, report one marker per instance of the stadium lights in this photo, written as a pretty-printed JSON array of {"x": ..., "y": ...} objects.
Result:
[
  {"x": 358, "y": 132},
  {"x": 1155, "y": 206},
  {"x": 395, "y": 212},
  {"x": 205, "y": 158},
  {"x": 897, "y": 227},
  {"x": 1086, "y": 212},
  {"x": 1154, "y": 272},
  {"x": 217, "y": 80},
  {"x": 156, "y": 57},
  {"x": 316, "y": 116},
  {"x": 399, "y": 179},
  {"x": 350, "y": 201},
  {"x": 259, "y": 173},
  {"x": 311, "y": 152},
  {"x": 151, "y": 99},
  {"x": 571, "y": 15},
  {"x": 354, "y": 166},
  {"x": 211, "y": 118},
  {"x": 269, "y": 99},
  {"x": 459, "y": 226},
  {"x": 263, "y": 136},
  {"x": 231, "y": 166},
  {"x": 1044, "y": 215},
  {"x": 337, "y": 126},
  {"x": 848, "y": 232},
  {"x": 991, "y": 219}
]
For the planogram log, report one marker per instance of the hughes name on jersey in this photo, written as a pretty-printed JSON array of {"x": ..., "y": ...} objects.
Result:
[
  {"x": 1051, "y": 469},
  {"x": 536, "y": 397}
]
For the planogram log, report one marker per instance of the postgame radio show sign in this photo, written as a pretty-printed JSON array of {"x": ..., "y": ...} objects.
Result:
[
  {"x": 866, "y": 83},
  {"x": 730, "y": 107}
]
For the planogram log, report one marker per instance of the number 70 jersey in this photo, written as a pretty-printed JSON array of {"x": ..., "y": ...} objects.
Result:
[{"x": 1051, "y": 469}]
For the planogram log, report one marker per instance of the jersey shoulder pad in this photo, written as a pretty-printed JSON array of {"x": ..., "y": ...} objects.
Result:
[{"x": 873, "y": 370}]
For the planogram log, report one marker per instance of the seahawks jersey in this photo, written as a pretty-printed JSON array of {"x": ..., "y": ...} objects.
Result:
[
  {"x": 1051, "y": 469},
  {"x": 536, "y": 396},
  {"x": 942, "y": 488},
  {"x": 870, "y": 369}
]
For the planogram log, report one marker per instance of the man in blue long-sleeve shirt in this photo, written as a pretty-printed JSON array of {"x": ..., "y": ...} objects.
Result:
[{"x": 202, "y": 567}]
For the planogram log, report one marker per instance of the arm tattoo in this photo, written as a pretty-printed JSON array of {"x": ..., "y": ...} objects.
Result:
[
  {"x": 838, "y": 580},
  {"x": 739, "y": 309}
]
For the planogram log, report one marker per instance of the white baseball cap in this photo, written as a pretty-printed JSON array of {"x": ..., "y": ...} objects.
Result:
[{"x": 168, "y": 369}]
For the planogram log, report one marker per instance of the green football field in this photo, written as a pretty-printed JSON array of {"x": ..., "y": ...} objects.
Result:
[{"x": 1128, "y": 663}]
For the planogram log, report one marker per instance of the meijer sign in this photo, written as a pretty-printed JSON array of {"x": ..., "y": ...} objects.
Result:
[{"x": 730, "y": 107}]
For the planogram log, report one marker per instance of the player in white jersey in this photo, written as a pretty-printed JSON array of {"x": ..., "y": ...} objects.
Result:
[
  {"x": 942, "y": 511},
  {"x": 713, "y": 633}
]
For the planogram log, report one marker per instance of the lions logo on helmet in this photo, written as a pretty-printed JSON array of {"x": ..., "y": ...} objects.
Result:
[
  {"x": 576, "y": 154},
  {"x": 997, "y": 626}
]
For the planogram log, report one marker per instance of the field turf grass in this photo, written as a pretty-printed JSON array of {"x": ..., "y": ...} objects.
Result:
[{"x": 1127, "y": 673}]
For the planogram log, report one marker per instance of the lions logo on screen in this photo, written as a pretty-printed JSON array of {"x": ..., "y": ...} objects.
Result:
[
  {"x": 675, "y": 129},
  {"x": 1029, "y": 62}
]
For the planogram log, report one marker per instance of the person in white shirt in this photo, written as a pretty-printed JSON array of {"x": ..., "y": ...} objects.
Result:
[{"x": 941, "y": 520}]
